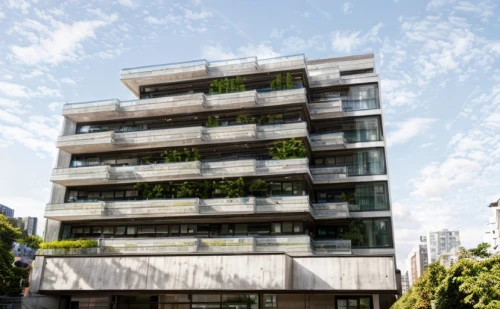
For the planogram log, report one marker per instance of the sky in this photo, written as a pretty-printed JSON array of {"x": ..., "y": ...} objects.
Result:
[{"x": 439, "y": 63}]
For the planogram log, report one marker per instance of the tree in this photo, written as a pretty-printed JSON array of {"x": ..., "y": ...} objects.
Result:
[
  {"x": 481, "y": 251},
  {"x": 288, "y": 149},
  {"x": 10, "y": 276},
  {"x": 32, "y": 241}
]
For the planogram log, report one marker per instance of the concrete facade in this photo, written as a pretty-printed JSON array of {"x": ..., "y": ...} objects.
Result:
[
  {"x": 441, "y": 242},
  {"x": 191, "y": 206},
  {"x": 492, "y": 232}
]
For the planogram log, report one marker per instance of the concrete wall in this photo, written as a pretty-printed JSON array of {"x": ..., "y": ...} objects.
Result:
[{"x": 214, "y": 272}]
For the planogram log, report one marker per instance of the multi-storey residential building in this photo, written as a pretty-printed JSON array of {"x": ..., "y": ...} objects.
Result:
[
  {"x": 232, "y": 184},
  {"x": 8, "y": 212},
  {"x": 417, "y": 263},
  {"x": 27, "y": 224},
  {"x": 493, "y": 228},
  {"x": 440, "y": 242},
  {"x": 405, "y": 282}
]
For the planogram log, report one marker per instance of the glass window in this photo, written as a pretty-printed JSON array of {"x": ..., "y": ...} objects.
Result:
[
  {"x": 131, "y": 193},
  {"x": 287, "y": 188},
  {"x": 241, "y": 229},
  {"x": 226, "y": 229},
  {"x": 298, "y": 227},
  {"x": 174, "y": 229},
  {"x": 146, "y": 230},
  {"x": 96, "y": 230},
  {"x": 276, "y": 228},
  {"x": 287, "y": 227},
  {"x": 297, "y": 188},
  {"x": 108, "y": 230},
  {"x": 131, "y": 230},
  {"x": 119, "y": 194},
  {"x": 276, "y": 189},
  {"x": 108, "y": 195},
  {"x": 162, "y": 230},
  {"x": 319, "y": 161},
  {"x": 270, "y": 301},
  {"x": 258, "y": 228},
  {"x": 120, "y": 230}
]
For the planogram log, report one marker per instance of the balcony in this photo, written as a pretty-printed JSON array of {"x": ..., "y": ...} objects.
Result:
[
  {"x": 340, "y": 174},
  {"x": 180, "y": 137},
  {"x": 102, "y": 210},
  {"x": 169, "y": 73},
  {"x": 302, "y": 245},
  {"x": 327, "y": 141},
  {"x": 105, "y": 174},
  {"x": 326, "y": 110},
  {"x": 327, "y": 72},
  {"x": 179, "y": 104}
]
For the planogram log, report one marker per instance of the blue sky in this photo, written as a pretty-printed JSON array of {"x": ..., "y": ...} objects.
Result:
[{"x": 438, "y": 61}]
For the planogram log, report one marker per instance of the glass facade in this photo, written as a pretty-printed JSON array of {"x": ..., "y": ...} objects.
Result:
[
  {"x": 369, "y": 162},
  {"x": 364, "y": 233},
  {"x": 353, "y": 98}
]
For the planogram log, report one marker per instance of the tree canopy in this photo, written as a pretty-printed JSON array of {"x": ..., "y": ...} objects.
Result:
[
  {"x": 11, "y": 276},
  {"x": 471, "y": 283}
]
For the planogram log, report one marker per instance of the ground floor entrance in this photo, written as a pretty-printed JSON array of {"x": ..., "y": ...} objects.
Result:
[{"x": 223, "y": 301}]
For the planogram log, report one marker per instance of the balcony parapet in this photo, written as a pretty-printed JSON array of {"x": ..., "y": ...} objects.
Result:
[
  {"x": 105, "y": 174},
  {"x": 180, "y": 104},
  {"x": 179, "y": 137},
  {"x": 327, "y": 141},
  {"x": 299, "y": 244},
  {"x": 326, "y": 110},
  {"x": 339, "y": 174},
  {"x": 102, "y": 210}
]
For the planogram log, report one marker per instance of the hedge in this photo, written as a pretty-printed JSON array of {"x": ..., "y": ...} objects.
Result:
[{"x": 69, "y": 244}]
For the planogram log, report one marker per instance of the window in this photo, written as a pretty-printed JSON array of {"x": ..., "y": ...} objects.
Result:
[
  {"x": 131, "y": 230},
  {"x": 241, "y": 229},
  {"x": 108, "y": 230},
  {"x": 276, "y": 228},
  {"x": 120, "y": 230},
  {"x": 353, "y": 302},
  {"x": 270, "y": 301}
]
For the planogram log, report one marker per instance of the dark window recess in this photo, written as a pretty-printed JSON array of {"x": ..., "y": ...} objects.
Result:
[{"x": 354, "y": 72}]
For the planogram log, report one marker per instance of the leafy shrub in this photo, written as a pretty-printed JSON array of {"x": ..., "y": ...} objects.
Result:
[
  {"x": 212, "y": 122},
  {"x": 288, "y": 149},
  {"x": 69, "y": 244},
  {"x": 187, "y": 155},
  {"x": 258, "y": 187},
  {"x": 242, "y": 119},
  {"x": 227, "y": 85},
  {"x": 277, "y": 83},
  {"x": 232, "y": 188}
]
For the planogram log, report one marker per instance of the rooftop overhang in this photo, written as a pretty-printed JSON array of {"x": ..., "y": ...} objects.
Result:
[{"x": 134, "y": 78}]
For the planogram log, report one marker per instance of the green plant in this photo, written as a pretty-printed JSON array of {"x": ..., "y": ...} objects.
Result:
[
  {"x": 187, "y": 155},
  {"x": 276, "y": 83},
  {"x": 146, "y": 159},
  {"x": 212, "y": 122},
  {"x": 144, "y": 190},
  {"x": 258, "y": 187},
  {"x": 288, "y": 149},
  {"x": 269, "y": 119},
  {"x": 32, "y": 241},
  {"x": 158, "y": 191},
  {"x": 355, "y": 234},
  {"x": 186, "y": 189},
  {"x": 227, "y": 85},
  {"x": 69, "y": 244},
  {"x": 232, "y": 188},
  {"x": 289, "y": 81},
  {"x": 242, "y": 119},
  {"x": 350, "y": 197}
]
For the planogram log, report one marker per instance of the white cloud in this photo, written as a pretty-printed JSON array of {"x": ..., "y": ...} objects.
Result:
[
  {"x": 43, "y": 91},
  {"x": 409, "y": 129},
  {"x": 296, "y": 44},
  {"x": 168, "y": 19},
  {"x": 2, "y": 15},
  {"x": 22, "y": 5},
  {"x": 9, "y": 117},
  {"x": 127, "y": 3},
  {"x": 278, "y": 34},
  {"x": 399, "y": 97},
  {"x": 67, "y": 80},
  {"x": 60, "y": 43},
  {"x": 188, "y": 14},
  {"x": 348, "y": 40},
  {"x": 8, "y": 76},
  {"x": 32, "y": 74},
  {"x": 14, "y": 90},
  {"x": 426, "y": 145},
  {"x": 434, "y": 4},
  {"x": 347, "y": 8},
  {"x": 54, "y": 106}
]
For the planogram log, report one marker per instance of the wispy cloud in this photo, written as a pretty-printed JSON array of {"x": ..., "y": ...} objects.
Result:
[
  {"x": 409, "y": 129},
  {"x": 349, "y": 40}
]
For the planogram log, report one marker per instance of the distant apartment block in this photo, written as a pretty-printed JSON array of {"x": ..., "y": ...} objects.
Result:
[
  {"x": 405, "y": 282},
  {"x": 27, "y": 224},
  {"x": 440, "y": 242},
  {"x": 417, "y": 263},
  {"x": 491, "y": 235},
  {"x": 243, "y": 183},
  {"x": 8, "y": 212}
]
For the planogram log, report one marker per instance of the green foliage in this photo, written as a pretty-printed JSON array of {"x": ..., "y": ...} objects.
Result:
[
  {"x": 471, "y": 283},
  {"x": 10, "y": 276},
  {"x": 350, "y": 198},
  {"x": 269, "y": 119},
  {"x": 258, "y": 187},
  {"x": 69, "y": 244},
  {"x": 145, "y": 190},
  {"x": 288, "y": 149},
  {"x": 355, "y": 234},
  {"x": 242, "y": 119},
  {"x": 232, "y": 188},
  {"x": 481, "y": 251},
  {"x": 212, "y": 122},
  {"x": 289, "y": 81},
  {"x": 146, "y": 159},
  {"x": 187, "y": 155},
  {"x": 32, "y": 241},
  {"x": 277, "y": 83},
  {"x": 227, "y": 85}
]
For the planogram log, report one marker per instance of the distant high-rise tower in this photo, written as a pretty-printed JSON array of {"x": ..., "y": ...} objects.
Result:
[
  {"x": 8, "y": 212},
  {"x": 417, "y": 263},
  {"x": 440, "y": 242}
]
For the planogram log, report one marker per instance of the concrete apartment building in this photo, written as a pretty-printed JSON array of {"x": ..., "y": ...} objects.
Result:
[
  {"x": 405, "y": 282},
  {"x": 6, "y": 211},
  {"x": 440, "y": 242},
  {"x": 233, "y": 224},
  {"x": 417, "y": 262},
  {"x": 493, "y": 228},
  {"x": 26, "y": 224}
]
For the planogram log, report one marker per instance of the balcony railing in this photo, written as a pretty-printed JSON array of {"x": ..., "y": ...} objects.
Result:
[
  {"x": 290, "y": 244},
  {"x": 328, "y": 141},
  {"x": 179, "y": 137},
  {"x": 106, "y": 174},
  {"x": 95, "y": 210}
]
